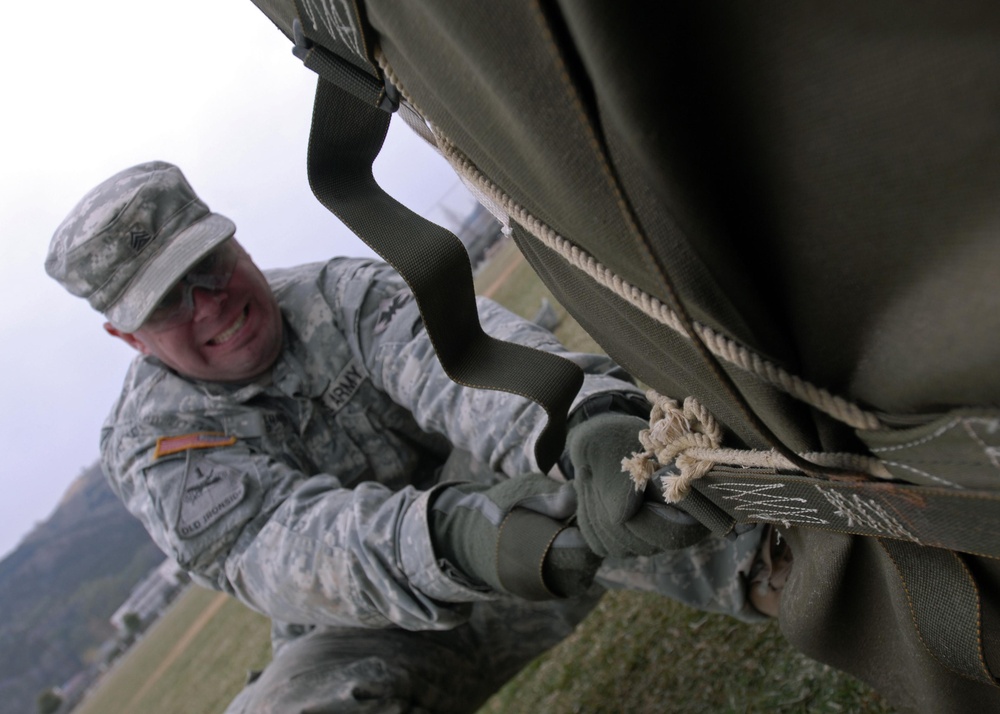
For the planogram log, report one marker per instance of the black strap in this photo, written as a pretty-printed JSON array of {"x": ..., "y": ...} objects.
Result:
[{"x": 348, "y": 129}]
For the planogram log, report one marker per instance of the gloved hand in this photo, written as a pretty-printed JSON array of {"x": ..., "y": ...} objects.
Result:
[
  {"x": 615, "y": 519},
  {"x": 514, "y": 537}
]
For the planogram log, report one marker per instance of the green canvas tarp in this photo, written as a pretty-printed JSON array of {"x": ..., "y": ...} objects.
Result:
[{"x": 812, "y": 191}]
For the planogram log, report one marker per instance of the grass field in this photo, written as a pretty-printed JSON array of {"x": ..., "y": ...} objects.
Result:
[
  {"x": 192, "y": 661},
  {"x": 635, "y": 653}
]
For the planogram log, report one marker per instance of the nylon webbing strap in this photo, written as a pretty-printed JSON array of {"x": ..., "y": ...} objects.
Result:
[
  {"x": 918, "y": 527},
  {"x": 961, "y": 520},
  {"x": 936, "y": 582},
  {"x": 347, "y": 134},
  {"x": 332, "y": 44},
  {"x": 524, "y": 540}
]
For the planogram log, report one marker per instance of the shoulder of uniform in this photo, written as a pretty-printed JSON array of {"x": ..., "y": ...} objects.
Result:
[
  {"x": 285, "y": 278},
  {"x": 151, "y": 392},
  {"x": 156, "y": 403}
]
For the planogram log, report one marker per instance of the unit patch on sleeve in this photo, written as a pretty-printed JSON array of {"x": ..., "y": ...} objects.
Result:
[
  {"x": 211, "y": 490},
  {"x": 388, "y": 308},
  {"x": 344, "y": 386},
  {"x": 167, "y": 445}
]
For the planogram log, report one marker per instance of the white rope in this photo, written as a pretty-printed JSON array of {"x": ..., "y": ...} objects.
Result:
[
  {"x": 504, "y": 208},
  {"x": 689, "y": 437}
]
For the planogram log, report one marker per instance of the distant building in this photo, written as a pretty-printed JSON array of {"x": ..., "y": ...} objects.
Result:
[{"x": 151, "y": 595}]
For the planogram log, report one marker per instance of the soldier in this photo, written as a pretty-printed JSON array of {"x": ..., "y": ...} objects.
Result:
[{"x": 290, "y": 438}]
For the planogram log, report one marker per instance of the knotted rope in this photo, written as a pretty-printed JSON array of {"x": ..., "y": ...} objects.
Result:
[{"x": 690, "y": 438}]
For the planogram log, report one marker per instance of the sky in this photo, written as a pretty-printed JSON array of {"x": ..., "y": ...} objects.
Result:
[{"x": 91, "y": 88}]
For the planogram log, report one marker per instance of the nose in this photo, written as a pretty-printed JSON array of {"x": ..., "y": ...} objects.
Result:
[{"x": 207, "y": 303}]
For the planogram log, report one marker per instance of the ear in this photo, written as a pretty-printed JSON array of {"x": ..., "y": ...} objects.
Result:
[{"x": 127, "y": 337}]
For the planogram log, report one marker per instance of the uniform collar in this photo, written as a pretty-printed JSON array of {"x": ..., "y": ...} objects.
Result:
[{"x": 289, "y": 375}]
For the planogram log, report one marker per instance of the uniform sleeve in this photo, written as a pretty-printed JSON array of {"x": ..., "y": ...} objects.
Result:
[
  {"x": 294, "y": 548},
  {"x": 500, "y": 429}
]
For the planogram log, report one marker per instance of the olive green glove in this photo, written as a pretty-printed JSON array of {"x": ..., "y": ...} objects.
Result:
[
  {"x": 615, "y": 519},
  {"x": 514, "y": 537}
]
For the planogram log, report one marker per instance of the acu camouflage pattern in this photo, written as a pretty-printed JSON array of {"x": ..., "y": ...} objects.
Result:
[
  {"x": 325, "y": 668},
  {"x": 348, "y": 669},
  {"x": 105, "y": 249},
  {"x": 317, "y": 514},
  {"x": 353, "y": 670}
]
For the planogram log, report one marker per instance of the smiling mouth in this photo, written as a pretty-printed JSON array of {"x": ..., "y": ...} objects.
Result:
[{"x": 228, "y": 333}]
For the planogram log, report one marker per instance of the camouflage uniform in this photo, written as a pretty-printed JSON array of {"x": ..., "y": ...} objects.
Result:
[
  {"x": 304, "y": 493},
  {"x": 347, "y": 670}
]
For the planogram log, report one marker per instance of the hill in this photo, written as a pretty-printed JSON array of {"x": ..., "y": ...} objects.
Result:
[{"x": 61, "y": 584}]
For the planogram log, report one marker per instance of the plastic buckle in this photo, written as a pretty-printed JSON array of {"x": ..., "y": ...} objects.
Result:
[
  {"x": 302, "y": 43},
  {"x": 387, "y": 94}
]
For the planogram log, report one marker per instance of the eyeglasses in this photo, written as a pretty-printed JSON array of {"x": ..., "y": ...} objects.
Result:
[{"x": 212, "y": 272}]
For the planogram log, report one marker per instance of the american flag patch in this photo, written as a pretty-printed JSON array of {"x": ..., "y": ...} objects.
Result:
[{"x": 167, "y": 445}]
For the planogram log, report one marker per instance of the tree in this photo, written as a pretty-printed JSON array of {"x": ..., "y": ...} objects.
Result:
[
  {"x": 133, "y": 623},
  {"x": 48, "y": 702}
]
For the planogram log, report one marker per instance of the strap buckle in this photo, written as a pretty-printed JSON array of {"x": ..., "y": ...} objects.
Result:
[
  {"x": 367, "y": 87},
  {"x": 302, "y": 43}
]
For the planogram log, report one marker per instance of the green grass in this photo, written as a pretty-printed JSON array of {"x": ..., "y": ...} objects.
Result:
[
  {"x": 522, "y": 293},
  {"x": 639, "y": 652},
  {"x": 636, "y": 652},
  {"x": 208, "y": 660}
]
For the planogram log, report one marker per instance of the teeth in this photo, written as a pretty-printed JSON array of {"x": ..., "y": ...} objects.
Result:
[{"x": 230, "y": 331}]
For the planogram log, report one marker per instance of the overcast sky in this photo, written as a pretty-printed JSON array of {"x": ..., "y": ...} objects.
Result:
[{"x": 91, "y": 88}]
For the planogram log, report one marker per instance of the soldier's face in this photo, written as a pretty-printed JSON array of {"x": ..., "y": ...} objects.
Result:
[{"x": 234, "y": 333}]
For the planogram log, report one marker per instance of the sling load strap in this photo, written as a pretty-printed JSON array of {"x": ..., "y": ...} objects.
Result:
[
  {"x": 961, "y": 520},
  {"x": 348, "y": 129},
  {"x": 924, "y": 531},
  {"x": 936, "y": 582},
  {"x": 726, "y": 498},
  {"x": 684, "y": 442}
]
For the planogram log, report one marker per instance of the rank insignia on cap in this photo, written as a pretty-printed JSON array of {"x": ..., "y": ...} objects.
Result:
[
  {"x": 138, "y": 238},
  {"x": 167, "y": 445}
]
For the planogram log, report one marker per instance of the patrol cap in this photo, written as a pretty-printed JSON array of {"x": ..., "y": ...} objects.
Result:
[{"x": 131, "y": 239}]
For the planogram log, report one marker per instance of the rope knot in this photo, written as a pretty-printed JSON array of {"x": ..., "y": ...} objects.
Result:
[
  {"x": 689, "y": 438},
  {"x": 683, "y": 435}
]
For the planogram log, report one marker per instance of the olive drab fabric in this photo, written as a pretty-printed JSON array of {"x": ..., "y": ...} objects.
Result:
[{"x": 816, "y": 189}]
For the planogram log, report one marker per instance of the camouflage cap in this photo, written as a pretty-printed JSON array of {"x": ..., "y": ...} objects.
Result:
[{"x": 130, "y": 239}]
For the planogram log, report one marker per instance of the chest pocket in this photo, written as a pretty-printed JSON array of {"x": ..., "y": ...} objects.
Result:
[
  {"x": 306, "y": 436},
  {"x": 274, "y": 433},
  {"x": 387, "y": 459}
]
